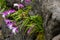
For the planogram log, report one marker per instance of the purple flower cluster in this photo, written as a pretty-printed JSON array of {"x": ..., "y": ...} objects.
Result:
[{"x": 11, "y": 25}]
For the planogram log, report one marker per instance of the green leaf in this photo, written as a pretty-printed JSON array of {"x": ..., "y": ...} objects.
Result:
[
  {"x": 25, "y": 22},
  {"x": 2, "y": 10}
]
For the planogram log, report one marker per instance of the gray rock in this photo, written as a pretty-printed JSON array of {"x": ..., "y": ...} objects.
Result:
[{"x": 56, "y": 37}]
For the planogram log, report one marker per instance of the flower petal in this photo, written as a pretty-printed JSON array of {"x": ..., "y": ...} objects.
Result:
[
  {"x": 7, "y": 12},
  {"x": 11, "y": 10},
  {"x": 27, "y": 1},
  {"x": 29, "y": 30},
  {"x": 20, "y": 6},
  {"x": 10, "y": 26},
  {"x": 8, "y": 21},
  {"x": 3, "y": 16},
  {"x": 14, "y": 30},
  {"x": 15, "y": 4}
]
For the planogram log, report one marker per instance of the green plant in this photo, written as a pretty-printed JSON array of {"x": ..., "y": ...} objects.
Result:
[{"x": 23, "y": 19}]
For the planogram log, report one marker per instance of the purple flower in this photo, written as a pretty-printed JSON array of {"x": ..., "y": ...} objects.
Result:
[
  {"x": 11, "y": 11},
  {"x": 27, "y": 1},
  {"x": 7, "y": 12},
  {"x": 14, "y": 30},
  {"x": 18, "y": 5},
  {"x": 7, "y": 21},
  {"x": 21, "y": 6},
  {"x": 29, "y": 30},
  {"x": 4, "y": 14},
  {"x": 17, "y": 30},
  {"x": 10, "y": 26}
]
